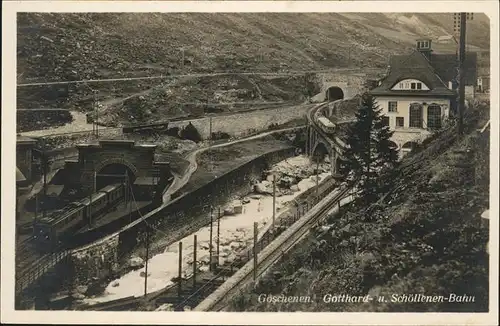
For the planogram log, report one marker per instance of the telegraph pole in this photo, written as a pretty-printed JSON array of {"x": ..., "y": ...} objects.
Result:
[
  {"x": 90, "y": 204},
  {"x": 44, "y": 163},
  {"x": 317, "y": 180},
  {"x": 461, "y": 80},
  {"x": 274, "y": 201},
  {"x": 194, "y": 260},
  {"x": 179, "y": 288},
  {"x": 255, "y": 234},
  {"x": 210, "y": 143},
  {"x": 460, "y": 26},
  {"x": 96, "y": 114},
  {"x": 211, "y": 234},
  {"x": 218, "y": 235},
  {"x": 36, "y": 207},
  {"x": 146, "y": 261}
]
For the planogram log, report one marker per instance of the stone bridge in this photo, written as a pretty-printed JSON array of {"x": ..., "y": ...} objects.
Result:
[
  {"x": 327, "y": 126},
  {"x": 339, "y": 102},
  {"x": 321, "y": 144}
]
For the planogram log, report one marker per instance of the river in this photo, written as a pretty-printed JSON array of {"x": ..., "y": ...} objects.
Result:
[{"x": 236, "y": 234}]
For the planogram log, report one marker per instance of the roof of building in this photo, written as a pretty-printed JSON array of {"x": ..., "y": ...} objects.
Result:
[
  {"x": 25, "y": 140},
  {"x": 412, "y": 66},
  {"x": 19, "y": 175},
  {"x": 146, "y": 181},
  {"x": 446, "y": 66}
]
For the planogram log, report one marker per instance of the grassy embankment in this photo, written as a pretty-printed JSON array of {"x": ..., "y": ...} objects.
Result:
[{"x": 424, "y": 235}]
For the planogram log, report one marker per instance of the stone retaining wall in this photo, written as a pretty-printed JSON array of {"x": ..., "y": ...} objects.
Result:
[
  {"x": 191, "y": 210},
  {"x": 244, "y": 123}
]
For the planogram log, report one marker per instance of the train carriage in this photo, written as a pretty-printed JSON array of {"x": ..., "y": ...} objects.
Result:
[
  {"x": 59, "y": 225},
  {"x": 326, "y": 124},
  {"x": 52, "y": 229}
]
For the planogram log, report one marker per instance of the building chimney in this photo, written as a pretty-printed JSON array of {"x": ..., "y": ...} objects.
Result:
[{"x": 424, "y": 47}]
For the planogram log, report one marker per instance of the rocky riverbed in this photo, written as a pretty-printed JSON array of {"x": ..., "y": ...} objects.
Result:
[{"x": 293, "y": 177}]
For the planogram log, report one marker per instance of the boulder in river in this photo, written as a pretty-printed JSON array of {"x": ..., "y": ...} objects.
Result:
[
  {"x": 115, "y": 284},
  {"x": 294, "y": 188},
  {"x": 262, "y": 188},
  {"x": 286, "y": 181},
  {"x": 78, "y": 296},
  {"x": 82, "y": 289},
  {"x": 238, "y": 209},
  {"x": 166, "y": 307},
  {"x": 143, "y": 274},
  {"x": 245, "y": 200},
  {"x": 136, "y": 262}
]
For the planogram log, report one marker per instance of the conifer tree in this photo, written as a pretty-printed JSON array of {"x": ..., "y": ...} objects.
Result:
[{"x": 370, "y": 150}]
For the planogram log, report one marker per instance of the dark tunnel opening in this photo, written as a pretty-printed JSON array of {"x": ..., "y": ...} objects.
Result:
[{"x": 334, "y": 93}]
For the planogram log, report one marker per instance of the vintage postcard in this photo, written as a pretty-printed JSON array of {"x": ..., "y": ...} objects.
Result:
[{"x": 237, "y": 163}]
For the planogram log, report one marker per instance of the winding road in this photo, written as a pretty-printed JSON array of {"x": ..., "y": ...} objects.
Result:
[{"x": 179, "y": 182}]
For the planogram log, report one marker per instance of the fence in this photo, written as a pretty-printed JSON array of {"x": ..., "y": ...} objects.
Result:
[
  {"x": 38, "y": 269},
  {"x": 196, "y": 286},
  {"x": 224, "y": 272},
  {"x": 274, "y": 251}
]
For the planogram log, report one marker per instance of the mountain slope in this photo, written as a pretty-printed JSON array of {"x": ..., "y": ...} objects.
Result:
[{"x": 77, "y": 46}]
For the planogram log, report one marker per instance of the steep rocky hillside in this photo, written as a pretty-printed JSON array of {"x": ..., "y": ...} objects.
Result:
[
  {"x": 67, "y": 46},
  {"x": 423, "y": 236}
]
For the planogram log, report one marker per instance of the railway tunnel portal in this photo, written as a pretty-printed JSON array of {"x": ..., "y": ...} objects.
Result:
[
  {"x": 334, "y": 93},
  {"x": 116, "y": 161}
]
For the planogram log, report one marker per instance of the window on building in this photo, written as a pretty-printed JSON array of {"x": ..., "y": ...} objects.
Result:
[
  {"x": 416, "y": 115},
  {"x": 434, "y": 116},
  {"x": 400, "y": 122},
  {"x": 413, "y": 85},
  {"x": 419, "y": 85},
  {"x": 393, "y": 106},
  {"x": 385, "y": 121},
  {"x": 426, "y": 44}
]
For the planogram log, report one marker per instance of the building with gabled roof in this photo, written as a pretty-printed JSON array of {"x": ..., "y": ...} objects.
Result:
[{"x": 419, "y": 92}]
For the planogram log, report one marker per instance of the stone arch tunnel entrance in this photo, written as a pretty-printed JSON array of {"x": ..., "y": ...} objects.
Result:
[
  {"x": 334, "y": 93},
  {"x": 114, "y": 173}
]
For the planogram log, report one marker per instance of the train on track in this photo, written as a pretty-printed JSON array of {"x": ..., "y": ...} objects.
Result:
[
  {"x": 323, "y": 122},
  {"x": 144, "y": 128},
  {"x": 56, "y": 228}
]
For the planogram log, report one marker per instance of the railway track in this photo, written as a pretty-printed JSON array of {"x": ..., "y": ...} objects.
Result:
[
  {"x": 275, "y": 251},
  {"x": 192, "y": 294}
]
